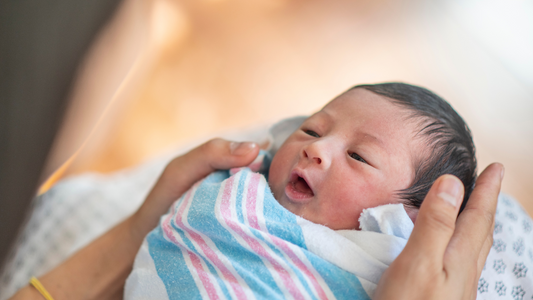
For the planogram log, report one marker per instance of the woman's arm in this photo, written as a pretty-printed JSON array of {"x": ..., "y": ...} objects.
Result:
[
  {"x": 99, "y": 270},
  {"x": 445, "y": 255},
  {"x": 442, "y": 260}
]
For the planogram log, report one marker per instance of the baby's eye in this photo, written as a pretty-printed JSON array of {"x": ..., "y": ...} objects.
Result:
[
  {"x": 311, "y": 133},
  {"x": 357, "y": 157}
]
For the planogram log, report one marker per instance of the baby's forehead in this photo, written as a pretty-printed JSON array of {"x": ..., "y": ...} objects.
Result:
[
  {"x": 376, "y": 114},
  {"x": 362, "y": 100}
]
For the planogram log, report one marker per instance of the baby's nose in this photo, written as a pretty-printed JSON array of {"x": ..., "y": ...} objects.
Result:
[
  {"x": 316, "y": 159},
  {"x": 317, "y": 153}
]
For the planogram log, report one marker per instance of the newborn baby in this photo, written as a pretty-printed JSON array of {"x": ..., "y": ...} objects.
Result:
[
  {"x": 235, "y": 235},
  {"x": 372, "y": 145}
]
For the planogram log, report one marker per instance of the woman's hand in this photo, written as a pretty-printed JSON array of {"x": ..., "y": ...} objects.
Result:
[
  {"x": 182, "y": 172},
  {"x": 99, "y": 270},
  {"x": 443, "y": 258}
]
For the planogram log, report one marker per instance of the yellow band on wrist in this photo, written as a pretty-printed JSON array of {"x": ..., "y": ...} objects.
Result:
[{"x": 40, "y": 288}]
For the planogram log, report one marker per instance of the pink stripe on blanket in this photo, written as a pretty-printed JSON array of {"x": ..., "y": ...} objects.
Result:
[
  {"x": 211, "y": 255},
  {"x": 251, "y": 201},
  {"x": 251, "y": 241},
  {"x": 252, "y": 220},
  {"x": 205, "y": 277},
  {"x": 167, "y": 228}
]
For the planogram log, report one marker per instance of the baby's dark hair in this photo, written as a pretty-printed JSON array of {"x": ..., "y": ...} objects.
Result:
[{"x": 451, "y": 148}]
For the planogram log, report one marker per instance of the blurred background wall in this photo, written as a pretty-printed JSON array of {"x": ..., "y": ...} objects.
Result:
[
  {"x": 41, "y": 45},
  {"x": 176, "y": 70}
]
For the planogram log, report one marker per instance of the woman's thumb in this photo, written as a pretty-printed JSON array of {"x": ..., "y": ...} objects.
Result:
[{"x": 435, "y": 223}]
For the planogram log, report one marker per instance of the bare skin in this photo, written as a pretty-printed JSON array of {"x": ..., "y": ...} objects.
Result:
[
  {"x": 99, "y": 270},
  {"x": 353, "y": 154},
  {"x": 445, "y": 255},
  {"x": 451, "y": 254}
]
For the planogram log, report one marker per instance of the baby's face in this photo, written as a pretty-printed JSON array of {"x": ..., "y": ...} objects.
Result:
[{"x": 353, "y": 154}]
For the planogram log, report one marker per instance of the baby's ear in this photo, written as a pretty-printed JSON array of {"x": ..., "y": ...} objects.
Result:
[{"x": 412, "y": 213}]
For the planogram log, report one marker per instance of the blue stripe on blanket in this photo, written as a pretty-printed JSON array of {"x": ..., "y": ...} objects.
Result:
[
  {"x": 238, "y": 199},
  {"x": 249, "y": 264},
  {"x": 169, "y": 263},
  {"x": 282, "y": 223},
  {"x": 229, "y": 238}
]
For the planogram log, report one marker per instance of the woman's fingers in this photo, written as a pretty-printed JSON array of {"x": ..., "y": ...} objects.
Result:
[
  {"x": 470, "y": 245},
  {"x": 220, "y": 154},
  {"x": 216, "y": 154},
  {"x": 183, "y": 171},
  {"x": 476, "y": 222},
  {"x": 443, "y": 259},
  {"x": 485, "y": 250},
  {"x": 471, "y": 293},
  {"x": 435, "y": 222},
  {"x": 417, "y": 273}
]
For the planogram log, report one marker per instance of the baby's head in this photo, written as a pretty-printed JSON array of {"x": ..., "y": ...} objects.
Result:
[{"x": 372, "y": 145}]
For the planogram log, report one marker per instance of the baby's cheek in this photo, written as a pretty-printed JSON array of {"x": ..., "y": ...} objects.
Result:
[
  {"x": 359, "y": 190},
  {"x": 275, "y": 191},
  {"x": 274, "y": 180},
  {"x": 364, "y": 193}
]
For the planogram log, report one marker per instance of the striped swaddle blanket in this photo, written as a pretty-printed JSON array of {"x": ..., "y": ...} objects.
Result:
[{"x": 228, "y": 238}]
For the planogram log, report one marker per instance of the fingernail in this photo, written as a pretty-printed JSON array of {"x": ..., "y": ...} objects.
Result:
[
  {"x": 503, "y": 172},
  {"x": 241, "y": 148},
  {"x": 450, "y": 190}
]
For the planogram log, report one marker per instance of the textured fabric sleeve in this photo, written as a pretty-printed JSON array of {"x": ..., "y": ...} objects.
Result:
[{"x": 508, "y": 270}]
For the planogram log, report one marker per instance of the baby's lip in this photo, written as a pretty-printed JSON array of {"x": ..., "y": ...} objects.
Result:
[{"x": 298, "y": 188}]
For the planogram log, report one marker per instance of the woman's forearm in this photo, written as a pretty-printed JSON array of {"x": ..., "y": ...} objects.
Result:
[{"x": 98, "y": 271}]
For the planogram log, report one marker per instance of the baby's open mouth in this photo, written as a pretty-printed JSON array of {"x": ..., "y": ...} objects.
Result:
[
  {"x": 301, "y": 186},
  {"x": 298, "y": 188}
]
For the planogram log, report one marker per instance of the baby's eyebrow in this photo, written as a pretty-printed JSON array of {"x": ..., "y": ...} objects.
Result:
[
  {"x": 324, "y": 116},
  {"x": 320, "y": 116},
  {"x": 372, "y": 139}
]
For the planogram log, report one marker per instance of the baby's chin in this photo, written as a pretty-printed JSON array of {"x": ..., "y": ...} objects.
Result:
[{"x": 306, "y": 212}]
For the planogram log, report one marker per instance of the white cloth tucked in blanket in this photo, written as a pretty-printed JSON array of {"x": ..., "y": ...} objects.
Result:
[{"x": 228, "y": 238}]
